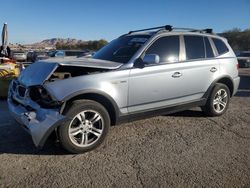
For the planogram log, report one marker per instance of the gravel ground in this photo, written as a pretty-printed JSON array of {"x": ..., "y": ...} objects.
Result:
[{"x": 185, "y": 149}]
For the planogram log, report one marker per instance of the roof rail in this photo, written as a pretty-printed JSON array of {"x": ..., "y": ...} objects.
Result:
[
  {"x": 165, "y": 27},
  {"x": 171, "y": 28},
  {"x": 207, "y": 30}
]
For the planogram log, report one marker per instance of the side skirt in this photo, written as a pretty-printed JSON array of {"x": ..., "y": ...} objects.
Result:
[{"x": 160, "y": 111}]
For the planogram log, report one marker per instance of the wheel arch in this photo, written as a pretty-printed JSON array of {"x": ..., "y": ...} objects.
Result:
[
  {"x": 228, "y": 81},
  {"x": 97, "y": 96}
]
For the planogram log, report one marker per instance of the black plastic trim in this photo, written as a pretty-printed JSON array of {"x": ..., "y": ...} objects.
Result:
[
  {"x": 160, "y": 111},
  {"x": 209, "y": 90},
  {"x": 115, "y": 106}
]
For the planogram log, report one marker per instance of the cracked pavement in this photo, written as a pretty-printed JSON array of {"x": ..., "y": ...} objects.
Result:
[{"x": 185, "y": 149}]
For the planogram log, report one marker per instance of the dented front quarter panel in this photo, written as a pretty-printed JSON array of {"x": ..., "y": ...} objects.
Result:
[{"x": 113, "y": 84}]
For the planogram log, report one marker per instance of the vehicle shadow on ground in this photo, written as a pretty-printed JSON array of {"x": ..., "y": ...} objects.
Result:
[
  {"x": 188, "y": 113},
  {"x": 15, "y": 140}
]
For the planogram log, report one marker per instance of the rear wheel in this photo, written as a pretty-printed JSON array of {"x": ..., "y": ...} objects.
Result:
[
  {"x": 87, "y": 128},
  {"x": 218, "y": 101}
]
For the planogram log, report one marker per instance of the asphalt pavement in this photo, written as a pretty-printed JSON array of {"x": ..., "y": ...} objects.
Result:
[{"x": 185, "y": 149}]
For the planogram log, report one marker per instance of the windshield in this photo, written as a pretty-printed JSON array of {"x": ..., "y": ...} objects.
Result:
[{"x": 121, "y": 49}]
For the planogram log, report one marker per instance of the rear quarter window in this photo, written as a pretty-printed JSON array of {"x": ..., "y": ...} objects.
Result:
[{"x": 220, "y": 46}]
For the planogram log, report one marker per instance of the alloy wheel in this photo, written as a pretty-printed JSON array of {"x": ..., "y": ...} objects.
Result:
[
  {"x": 86, "y": 128},
  {"x": 220, "y": 100}
]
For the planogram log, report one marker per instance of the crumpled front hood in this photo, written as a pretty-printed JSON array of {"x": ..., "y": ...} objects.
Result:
[
  {"x": 85, "y": 62},
  {"x": 37, "y": 73}
]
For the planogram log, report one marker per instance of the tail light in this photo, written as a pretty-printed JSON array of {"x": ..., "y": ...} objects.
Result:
[{"x": 238, "y": 66}]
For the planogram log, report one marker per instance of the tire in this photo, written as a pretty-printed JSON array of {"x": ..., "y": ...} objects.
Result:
[
  {"x": 218, "y": 101},
  {"x": 87, "y": 128}
]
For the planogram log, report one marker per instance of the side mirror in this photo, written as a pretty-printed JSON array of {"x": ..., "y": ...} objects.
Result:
[
  {"x": 151, "y": 59},
  {"x": 147, "y": 60},
  {"x": 139, "y": 63}
]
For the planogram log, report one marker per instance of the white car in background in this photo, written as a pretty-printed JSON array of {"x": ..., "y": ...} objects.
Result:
[{"x": 20, "y": 55}]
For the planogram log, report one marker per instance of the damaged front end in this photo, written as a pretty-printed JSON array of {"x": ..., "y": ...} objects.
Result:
[
  {"x": 33, "y": 106},
  {"x": 36, "y": 111}
]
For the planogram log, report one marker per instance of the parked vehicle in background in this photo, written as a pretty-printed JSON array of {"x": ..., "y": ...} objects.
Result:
[
  {"x": 74, "y": 53},
  {"x": 20, "y": 56},
  {"x": 244, "y": 59},
  {"x": 37, "y": 56},
  {"x": 86, "y": 53},
  {"x": 57, "y": 53},
  {"x": 137, "y": 75},
  {"x": 70, "y": 53},
  {"x": 30, "y": 55}
]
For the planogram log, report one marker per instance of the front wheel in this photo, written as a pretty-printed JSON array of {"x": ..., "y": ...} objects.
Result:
[
  {"x": 88, "y": 126},
  {"x": 218, "y": 101}
]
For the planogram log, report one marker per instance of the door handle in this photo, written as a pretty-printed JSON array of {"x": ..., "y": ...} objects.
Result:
[
  {"x": 213, "y": 69},
  {"x": 176, "y": 75}
]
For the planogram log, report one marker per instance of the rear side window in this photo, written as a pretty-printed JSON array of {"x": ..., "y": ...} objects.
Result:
[
  {"x": 194, "y": 47},
  {"x": 167, "y": 48},
  {"x": 209, "y": 51},
  {"x": 220, "y": 45}
]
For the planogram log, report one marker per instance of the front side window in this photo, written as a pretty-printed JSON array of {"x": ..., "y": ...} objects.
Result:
[
  {"x": 220, "y": 45},
  {"x": 167, "y": 48},
  {"x": 121, "y": 49},
  {"x": 194, "y": 47}
]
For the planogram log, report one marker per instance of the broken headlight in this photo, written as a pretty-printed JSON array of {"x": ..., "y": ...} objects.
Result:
[{"x": 42, "y": 97}]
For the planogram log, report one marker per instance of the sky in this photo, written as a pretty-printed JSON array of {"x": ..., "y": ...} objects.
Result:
[{"x": 31, "y": 21}]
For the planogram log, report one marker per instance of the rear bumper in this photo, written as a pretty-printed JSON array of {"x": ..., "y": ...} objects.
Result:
[
  {"x": 236, "y": 82},
  {"x": 40, "y": 123}
]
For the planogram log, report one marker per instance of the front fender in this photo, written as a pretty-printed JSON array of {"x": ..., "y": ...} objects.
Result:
[{"x": 113, "y": 88}]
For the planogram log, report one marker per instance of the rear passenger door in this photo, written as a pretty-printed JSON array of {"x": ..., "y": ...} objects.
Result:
[{"x": 199, "y": 67}]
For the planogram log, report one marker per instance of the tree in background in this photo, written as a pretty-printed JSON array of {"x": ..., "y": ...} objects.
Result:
[{"x": 238, "y": 39}]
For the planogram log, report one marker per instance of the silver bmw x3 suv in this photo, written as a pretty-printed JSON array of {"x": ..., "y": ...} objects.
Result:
[{"x": 143, "y": 73}]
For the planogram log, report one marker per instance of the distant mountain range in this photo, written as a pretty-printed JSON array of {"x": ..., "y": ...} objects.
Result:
[
  {"x": 52, "y": 42},
  {"x": 47, "y": 43}
]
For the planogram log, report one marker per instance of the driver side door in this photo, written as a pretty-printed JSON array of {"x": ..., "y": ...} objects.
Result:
[{"x": 157, "y": 85}]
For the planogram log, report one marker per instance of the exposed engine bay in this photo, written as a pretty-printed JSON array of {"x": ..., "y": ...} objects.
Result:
[
  {"x": 42, "y": 97},
  {"x": 64, "y": 72}
]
